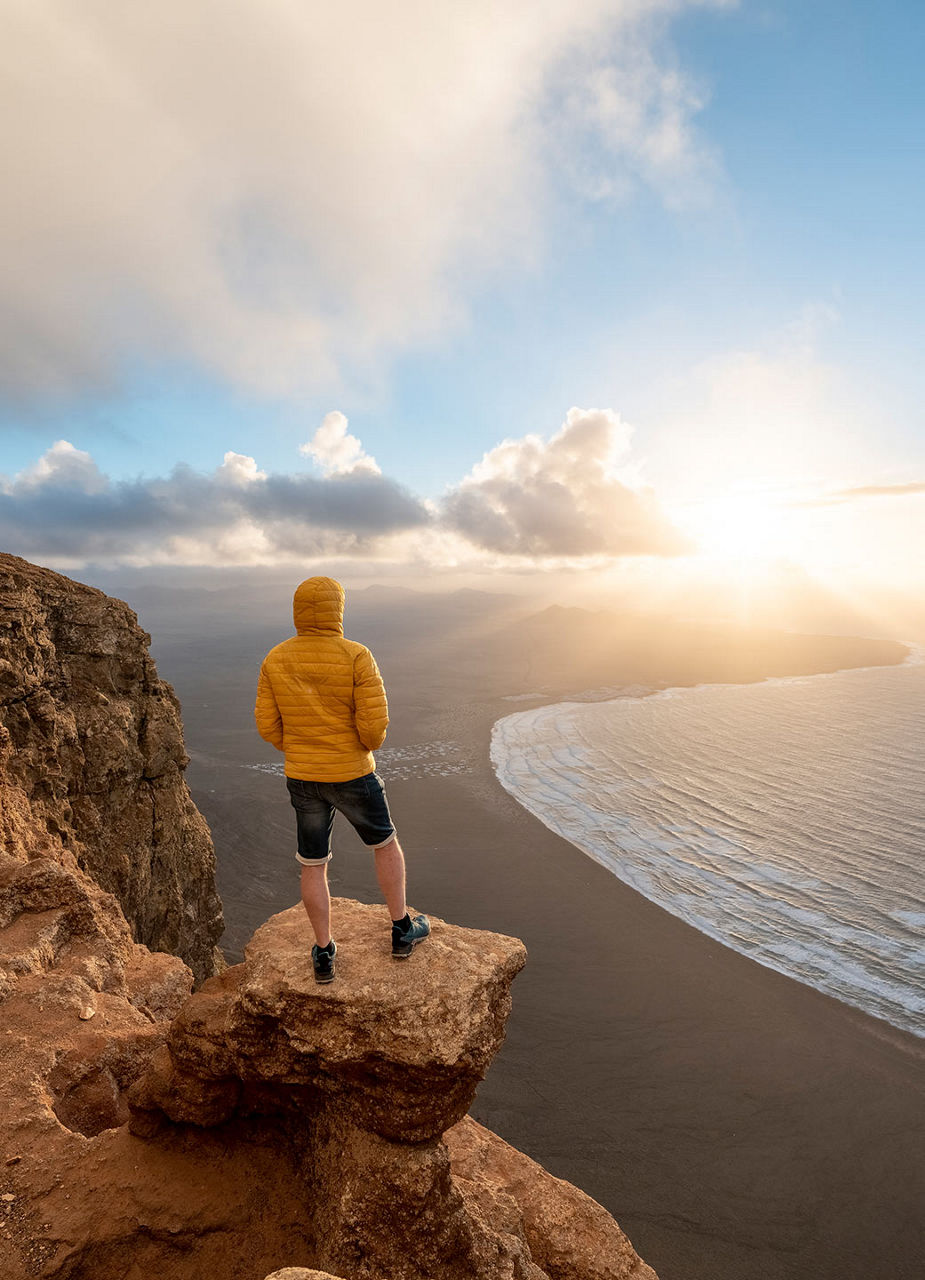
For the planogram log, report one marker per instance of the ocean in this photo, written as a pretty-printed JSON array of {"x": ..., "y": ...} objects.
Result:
[{"x": 784, "y": 819}]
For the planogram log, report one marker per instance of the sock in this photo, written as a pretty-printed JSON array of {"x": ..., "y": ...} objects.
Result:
[{"x": 404, "y": 924}]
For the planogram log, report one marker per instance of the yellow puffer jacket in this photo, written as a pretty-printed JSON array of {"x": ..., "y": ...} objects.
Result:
[{"x": 320, "y": 698}]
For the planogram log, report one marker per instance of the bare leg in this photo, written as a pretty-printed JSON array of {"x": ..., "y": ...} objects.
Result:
[
  {"x": 316, "y": 899},
  {"x": 390, "y": 872}
]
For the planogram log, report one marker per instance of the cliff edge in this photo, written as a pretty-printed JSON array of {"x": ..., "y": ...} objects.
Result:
[
  {"x": 272, "y": 1122},
  {"x": 263, "y": 1123},
  {"x": 92, "y": 760}
]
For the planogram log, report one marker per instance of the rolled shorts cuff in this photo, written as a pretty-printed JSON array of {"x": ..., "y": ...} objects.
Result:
[
  {"x": 382, "y": 843},
  {"x": 313, "y": 862}
]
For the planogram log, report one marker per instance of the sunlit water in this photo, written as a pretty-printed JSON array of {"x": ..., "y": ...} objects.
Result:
[{"x": 784, "y": 819}]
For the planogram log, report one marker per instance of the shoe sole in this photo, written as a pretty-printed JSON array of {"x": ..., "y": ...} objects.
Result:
[
  {"x": 322, "y": 981},
  {"x": 403, "y": 955}
]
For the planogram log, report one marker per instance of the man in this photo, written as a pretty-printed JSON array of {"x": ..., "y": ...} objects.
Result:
[{"x": 321, "y": 700}]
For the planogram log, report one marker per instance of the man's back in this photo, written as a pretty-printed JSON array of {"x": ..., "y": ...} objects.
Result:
[{"x": 320, "y": 697}]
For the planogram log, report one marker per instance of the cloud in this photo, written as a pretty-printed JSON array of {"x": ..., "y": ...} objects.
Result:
[
  {"x": 276, "y": 191},
  {"x": 528, "y": 500},
  {"x": 628, "y": 122},
  {"x": 840, "y": 496},
  {"x": 564, "y": 497},
  {"x": 337, "y": 452},
  {"x": 66, "y": 510},
  {"x": 239, "y": 470},
  {"x": 63, "y": 467},
  {"x": 881, "y": 491}
]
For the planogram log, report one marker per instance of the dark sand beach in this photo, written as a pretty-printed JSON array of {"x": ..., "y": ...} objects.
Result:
[{"x": 739, "y": 1125}]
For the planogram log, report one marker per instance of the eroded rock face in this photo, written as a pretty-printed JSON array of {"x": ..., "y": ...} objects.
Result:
[
  {"x": 400, "y": 1046},
  {"x": 569, "y": 1234},
  {"x": 367, "y": 1075},
  {"x": 92, "y": 759},
  {"x": 272, "y": 1122}
]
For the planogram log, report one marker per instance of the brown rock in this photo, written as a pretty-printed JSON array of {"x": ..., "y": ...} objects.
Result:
[
  {"x": 571, "y": 1237},
  {"x": 92, "y": 760},
  {"x": 301, "y": 1273},
  {"x": 273, "y": 1119},
  {"x": 367, "y": 1074},
  {"x": 442, "y": 1020}
]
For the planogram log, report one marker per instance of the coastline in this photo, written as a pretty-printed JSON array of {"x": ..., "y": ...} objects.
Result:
[
  {"x": 511, "y": 736},
  {"x": 737, "y": 1123},
  {"x": 715, "y": 1107}
]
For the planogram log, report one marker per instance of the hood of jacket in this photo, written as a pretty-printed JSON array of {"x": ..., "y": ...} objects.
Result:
[{"x": 318, "y": 607}]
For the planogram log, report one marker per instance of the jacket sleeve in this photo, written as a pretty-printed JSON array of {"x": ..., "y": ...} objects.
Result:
[
  {"x": 371, "y": 706},
  {"x": 266, "y": 712}
]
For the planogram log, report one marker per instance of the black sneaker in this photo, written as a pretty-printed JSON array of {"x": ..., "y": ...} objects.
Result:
[
  {"x": 404, "y": 940},
  {"x": 323, "y": 962}
]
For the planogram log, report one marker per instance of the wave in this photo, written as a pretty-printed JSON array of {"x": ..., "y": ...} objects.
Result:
[{"x": 728, "y": 805}]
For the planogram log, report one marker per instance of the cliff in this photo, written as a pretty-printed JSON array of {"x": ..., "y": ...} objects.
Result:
[
  {"x": 265, "y": 1121},
  {"x": 92, "y": 760},
  {"x": 262, "y": 1122}
]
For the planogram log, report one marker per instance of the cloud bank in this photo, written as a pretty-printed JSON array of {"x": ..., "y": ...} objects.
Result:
[
  {"x": 274, "y": 191},
  {"x": 527, "y": 500},
  {"x": 66, "y": 510}
]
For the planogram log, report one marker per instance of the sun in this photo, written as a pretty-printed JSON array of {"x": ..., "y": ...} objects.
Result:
[{"x": 746, "y": 532}]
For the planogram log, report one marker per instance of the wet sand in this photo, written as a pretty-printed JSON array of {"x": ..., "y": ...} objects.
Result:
[{"x": 737, "y": 1124}]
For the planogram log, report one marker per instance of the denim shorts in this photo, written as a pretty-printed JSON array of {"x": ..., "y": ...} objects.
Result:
[{"x": 362, "y": 801}]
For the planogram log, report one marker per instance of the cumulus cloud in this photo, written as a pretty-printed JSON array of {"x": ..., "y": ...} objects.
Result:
[
  {"x": 336, "y": 451},
  {"x": 273, "y": 190},
  {"x": 529, "y": 499},
  {"x": 239, "y": 469},
  {"x": 562, "y": 497},
  {"x": 65, "y": 509},
  {"x": 62, "y": 467}
]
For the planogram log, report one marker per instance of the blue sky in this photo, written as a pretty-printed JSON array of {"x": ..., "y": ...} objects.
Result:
[{"x": 707, "y": 222}]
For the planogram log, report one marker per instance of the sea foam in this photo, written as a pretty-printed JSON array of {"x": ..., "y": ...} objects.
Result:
[{"x": 782, "y": 818}]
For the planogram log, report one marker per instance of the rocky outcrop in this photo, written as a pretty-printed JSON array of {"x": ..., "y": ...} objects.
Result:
[
  {"x": 371, "y": 1079},
  {"x": 92, "y": 759},
  {"x": 272, "y": 1123},
  {"x": 364, "y": 1075}
]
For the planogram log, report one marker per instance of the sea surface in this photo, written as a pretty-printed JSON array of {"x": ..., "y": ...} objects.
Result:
[{"x": 785, "y": 819}]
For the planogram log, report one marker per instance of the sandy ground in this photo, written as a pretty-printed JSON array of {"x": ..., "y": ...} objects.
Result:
[{"x": 738, "y": 1125}]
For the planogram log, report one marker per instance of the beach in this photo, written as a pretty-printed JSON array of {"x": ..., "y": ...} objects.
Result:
[{"x": 736, "y": 1123}]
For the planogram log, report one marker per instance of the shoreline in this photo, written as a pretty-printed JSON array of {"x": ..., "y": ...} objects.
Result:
[
  {"x": 711, "y": 1104},
  {"x": 672, "y": 1078},
  {"x": 499, "y": 752}
]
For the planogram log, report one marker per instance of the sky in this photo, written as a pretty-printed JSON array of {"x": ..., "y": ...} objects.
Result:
[{"x": 628, "y": 290}]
